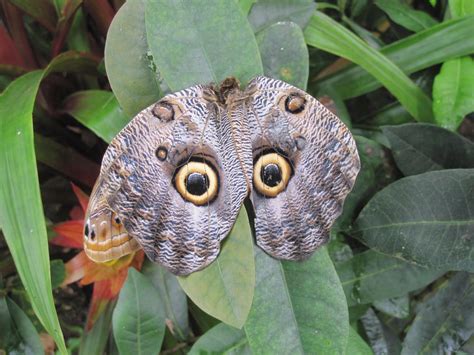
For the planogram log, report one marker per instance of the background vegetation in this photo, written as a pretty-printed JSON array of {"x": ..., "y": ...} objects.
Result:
[{"x": 397, "y": 274}]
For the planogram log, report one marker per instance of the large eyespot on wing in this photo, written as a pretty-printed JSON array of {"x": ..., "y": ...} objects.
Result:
[
  {"x": 292, "y": 128},
  {"x": 167, "y": 175}
]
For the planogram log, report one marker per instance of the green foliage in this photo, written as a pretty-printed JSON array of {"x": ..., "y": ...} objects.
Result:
[
  {"x": 139, "y": 318},
  {"x": 230, "y": 280},
  {"x": 396, "y": 276}
]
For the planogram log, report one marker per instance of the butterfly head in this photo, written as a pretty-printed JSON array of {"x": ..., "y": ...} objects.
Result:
[{"x": 105, "y": 237}]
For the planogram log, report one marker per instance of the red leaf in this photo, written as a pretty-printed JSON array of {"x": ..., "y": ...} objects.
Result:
[
  {"x": 9, "y": 54},
  {"x": 69, "y": 234},
  {"x": 81, "y": 196}
]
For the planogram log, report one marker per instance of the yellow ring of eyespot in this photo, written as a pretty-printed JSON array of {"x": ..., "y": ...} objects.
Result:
[
  {"x": 285, "y": 170},
  {"x": 201, "y": 168}
]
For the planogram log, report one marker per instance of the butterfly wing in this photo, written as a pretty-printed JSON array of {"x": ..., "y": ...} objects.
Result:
[
  {"x": 305, "y": 164},
  {"x": 175, "y": 180}
]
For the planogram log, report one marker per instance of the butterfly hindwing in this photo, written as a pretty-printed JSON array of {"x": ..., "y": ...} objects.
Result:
[{"x": 309, "y": 161}]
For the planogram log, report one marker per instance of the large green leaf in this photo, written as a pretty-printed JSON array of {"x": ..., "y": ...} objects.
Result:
[
  {"x": 328, "y": 35},
  {"x": 298, "y": 307},
  {"x": 139, "y": 318},
  {"x": 222, "y": 339},
  {"x": 21, "y": 212},
  {"x": 225, "y": 288},
  {"x": 200, "y": 42},
  {"x": 130, "y": 70},
  {"x": 453, "y": 93},
  {"x": 427, "y": 219},
  {"x": 98, "y": 110},
  {"x": 284, "y": 53},
  {"x": 172, "y": 296},
  {"x": 411, "y": 54},
  {"x": 461, "y": 7},
  {"x": 405, "y": 16},
  {"x": 356, "y": 345},
  {"x": 364, "y": 277},
  {"x": 445, "y": 321},
  {"x": 418, "y": 148},
  {"x": 267, "y": 12}
]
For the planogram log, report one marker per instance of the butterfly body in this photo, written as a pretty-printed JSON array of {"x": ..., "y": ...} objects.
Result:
[{"x": 179, "y": 172}]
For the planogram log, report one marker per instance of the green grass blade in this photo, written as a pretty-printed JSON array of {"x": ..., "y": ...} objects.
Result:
[
  {"x": 328, "y": 35},
  {"x": 21, "y": 211},
  {"x": 404, "y": 15},
  {"x": 416, "y": 52}
]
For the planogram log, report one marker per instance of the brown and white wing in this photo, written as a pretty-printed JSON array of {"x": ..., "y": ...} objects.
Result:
[
  {"x": 305, "y": 164},
  {"x": 174, "y": 179}
]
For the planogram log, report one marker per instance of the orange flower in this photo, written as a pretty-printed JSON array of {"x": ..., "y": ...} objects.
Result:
[{"x": 108, "y": 278}]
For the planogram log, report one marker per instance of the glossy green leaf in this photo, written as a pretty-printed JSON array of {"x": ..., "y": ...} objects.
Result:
[
  {"x": 298, "y": 307},
  {"x": 364, "y": 277},
  {"x": 95, "y": 340},
  {"x": 222, "y": 339},
  {"x": 225, "y": 288},
  {"x": 411, "y": 54},
  {"x": 267, "y": 12},
  {"x": 201, "y": 42},
  {"x": 453, "y": 93},
  {"x": 130, "y": 70},
  {"x": 418, "y": 148},
  {"x": 404, "y": 15},
  {"x": 59, "y": 157},
  {"x": 284, "y": 53},
  {"x": 461, "y": 8},
  {"x": 172, "y": 296},
  {"x": 98, "y": 110},
  {"x": 356, "y": 345},
  {"x": 328, "y": 35},
  {"x": 427, "y": 219},
  {"x": 139, "y": 319},
  {"x": 21, "y": 212},
  {"x": 445, "y": 321}
]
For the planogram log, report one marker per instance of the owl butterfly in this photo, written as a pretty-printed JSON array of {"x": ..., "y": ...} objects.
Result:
[{"x": 174, "y": 179}]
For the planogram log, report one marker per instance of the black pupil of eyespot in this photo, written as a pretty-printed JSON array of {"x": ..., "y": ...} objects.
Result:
[
  {"x": 117, "y": 220},
  {"x": 271, "y": 175},
  {"x": 197, "y": 184},
  {"x": 86, "y": 230}
]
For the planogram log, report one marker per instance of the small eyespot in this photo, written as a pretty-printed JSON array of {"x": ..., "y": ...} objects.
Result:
[
  {"x": 161, "y": 153},
  {"x": 93, "y": 234},
  {"x": 197, "y": 182},
  {"x": 271, "y": 174},
  {"x": 295, "y": 103},
  {"x": 86, "y": 230},
  {"x": 164, "y": 111}
]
